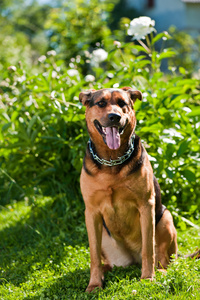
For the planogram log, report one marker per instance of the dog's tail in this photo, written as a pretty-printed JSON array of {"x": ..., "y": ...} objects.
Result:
[{"x": 195, "y": 255}]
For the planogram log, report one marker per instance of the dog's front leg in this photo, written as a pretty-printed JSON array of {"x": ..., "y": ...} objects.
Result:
[
  {"x": 94, "y": 224},
  {"x": 147, "y": 220}
]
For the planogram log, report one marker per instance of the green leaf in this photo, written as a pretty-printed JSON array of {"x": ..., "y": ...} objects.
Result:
[
  {"x": 142, "y": 81},
  {"x": 183, "y": 147},
  {"x": 160, "y": 36},
  {"x": 178, "y": 99},
  {"x": 195, "y": 112},
  {"x": 153, "y": 128},
  {"x": 163, "y": 110},
  {"x": 140, "y": 48},
  {"x": 14, "y": 116},
  {"x": 142, "y": 63},
  {"x": 189, "y": 175},
  {"x": 6, "y": 126},
  {"x": 46, "y": 172},
  {"x": 31, "y": 123},
  {"x": 166, "y": 54},
  {"x": 182, "y": 70},
  {"x": 5, "y": 115},
  {"x": 35, "y": 133},
  {"x": 170, "y": 173},
  {"x": 170, "y": 151}
]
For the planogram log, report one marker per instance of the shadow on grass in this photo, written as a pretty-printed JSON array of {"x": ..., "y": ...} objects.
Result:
[
  {"x": 69, "y": 286},
  {"x": 39, "y": 236},
  {"x": 38, "y": 244},
  {"x": 73, "y": 284}
]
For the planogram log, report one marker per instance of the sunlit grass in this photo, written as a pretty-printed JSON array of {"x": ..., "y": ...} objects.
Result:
[{"x": 43, "y": 257}]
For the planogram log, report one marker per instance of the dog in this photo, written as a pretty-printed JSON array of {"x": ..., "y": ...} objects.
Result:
[{"x": 125, "y": 219}]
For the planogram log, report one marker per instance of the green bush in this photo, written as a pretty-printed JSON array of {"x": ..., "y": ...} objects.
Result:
[
  {"x": 43, "y": 132},
  {"x": 22, "y": 35},
  {"x": 42, "y": 125},
  {"x": 79, "y": 25},
  {"x": 187, "y": 49}
]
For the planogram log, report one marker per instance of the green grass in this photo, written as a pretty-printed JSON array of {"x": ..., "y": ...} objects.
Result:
[{"x": 44, "y": 254}]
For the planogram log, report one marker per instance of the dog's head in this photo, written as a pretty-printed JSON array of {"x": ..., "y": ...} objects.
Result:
[{"x": 110, "y": 115}]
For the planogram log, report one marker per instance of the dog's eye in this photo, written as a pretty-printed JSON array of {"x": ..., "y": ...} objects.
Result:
[
  {"x": 121, "y": 103},
  {"x": 101, "y": 103}
]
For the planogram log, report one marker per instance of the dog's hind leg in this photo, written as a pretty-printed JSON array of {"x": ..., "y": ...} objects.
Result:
[
  {"x": 166, "y": 240},
  {"x": 114, "y": 253}
]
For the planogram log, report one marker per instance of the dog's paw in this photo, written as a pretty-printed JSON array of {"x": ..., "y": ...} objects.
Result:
[
  {"x": 147, "y": 277},
  {"x": 163, "y": 271},
  {"x": 93, "y": 288}
]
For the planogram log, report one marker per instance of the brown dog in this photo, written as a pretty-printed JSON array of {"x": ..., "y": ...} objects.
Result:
[{"x": 125, "y": 219}]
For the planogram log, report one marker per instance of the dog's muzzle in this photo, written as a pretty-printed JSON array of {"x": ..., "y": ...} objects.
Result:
[{"x": 114, "y": 118}]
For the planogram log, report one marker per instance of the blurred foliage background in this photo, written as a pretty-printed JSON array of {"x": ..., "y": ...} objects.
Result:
[{"x": 47, "y": 58}]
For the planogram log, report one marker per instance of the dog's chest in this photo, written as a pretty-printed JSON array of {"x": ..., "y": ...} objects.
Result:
[
  {"x": 119, "y": 210},
  {"x": 107, "y": 192},
  {"x": 116, "y": 198}
]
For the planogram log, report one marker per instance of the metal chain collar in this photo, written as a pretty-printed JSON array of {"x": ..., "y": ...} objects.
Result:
[{"x": 114, "y": 162}]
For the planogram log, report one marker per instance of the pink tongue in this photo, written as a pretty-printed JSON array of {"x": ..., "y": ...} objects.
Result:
[{"x": 112, "y": 137}]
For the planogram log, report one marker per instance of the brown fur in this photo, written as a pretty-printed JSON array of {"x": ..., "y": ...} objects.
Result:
[{"x": 126, "y": 196}]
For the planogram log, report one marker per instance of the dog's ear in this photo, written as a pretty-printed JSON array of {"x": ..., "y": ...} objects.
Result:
[
  {"x": 133, "y": 93},
  {"x": 85, "y": 97},
  {"x": 126, "y": 88}
]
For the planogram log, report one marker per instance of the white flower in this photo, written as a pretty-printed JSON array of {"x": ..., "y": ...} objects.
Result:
[
  {"x": 98, "y": 56},
  {"x": 53, "y": 94},
  {"x": 172, "y": 132},
  {"x": 78, "y": 58},
  {"x": 89, "y": 78},
  {"x": 87, "y": 54},
  {"x": 151, "y": 158},
  {"x": 140, "y": 27},
  {"x": 51, "y": 53},
  {"x": 12, "y": 68},
  {"x": 134, "y": 292},
  {"x": 54, "y": 74},
  {"x": 30, "y": 101},
  {"x": 187, "y": 109},
  {"x": 21, "y": 120},
  {"x": 117, "y": 43},
  {"x": 110, "y": 75},
  {"x": 42, "y": 58},
  {"x": 72, "y": 72},
  {"x": 116, "y": 85},
  {"x": 21, "y": 78},
  {"x": 72, "y": 65}
]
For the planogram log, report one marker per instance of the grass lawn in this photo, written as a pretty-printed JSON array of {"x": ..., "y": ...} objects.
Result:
[{"x": 44, "y": 254}]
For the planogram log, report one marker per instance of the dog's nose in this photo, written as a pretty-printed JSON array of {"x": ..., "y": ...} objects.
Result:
[{"x": 114, "y": 118}]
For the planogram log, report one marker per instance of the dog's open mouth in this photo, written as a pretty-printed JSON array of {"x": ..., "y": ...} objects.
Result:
[{"x": 111, "y": 134}]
